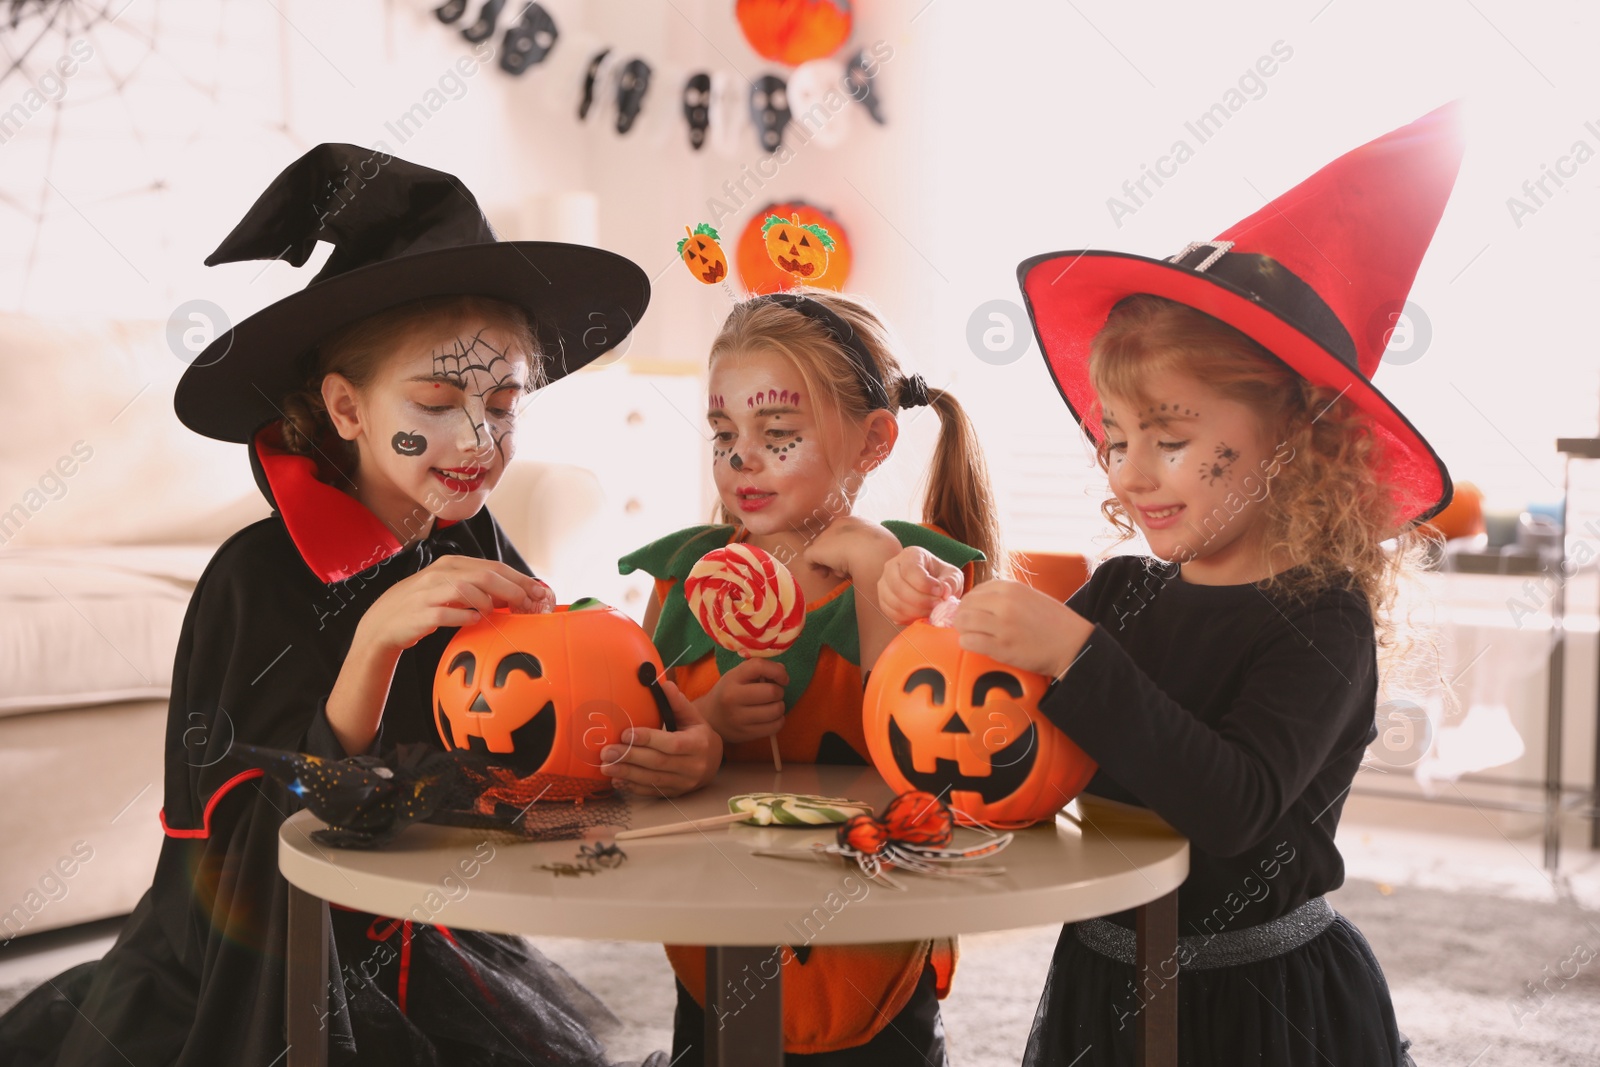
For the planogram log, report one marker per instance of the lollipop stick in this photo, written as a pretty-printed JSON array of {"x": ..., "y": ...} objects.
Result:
[
  {"x": 683, "y": 827},
  {"x": 777, "y": 760}
]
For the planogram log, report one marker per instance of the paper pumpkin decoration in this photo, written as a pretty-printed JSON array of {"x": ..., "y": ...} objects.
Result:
[
  {"x": 798, "y": 248},
  {"x": 761, "y": 274},
  {"x": 793, "y": 31},
  {"x": 702, "y": 254},
  {"x": 967, "y": 727},
  {"x": 546, "y": 692}
]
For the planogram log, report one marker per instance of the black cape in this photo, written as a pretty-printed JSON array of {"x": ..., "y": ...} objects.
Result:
[{"x": 197, "y": 975}]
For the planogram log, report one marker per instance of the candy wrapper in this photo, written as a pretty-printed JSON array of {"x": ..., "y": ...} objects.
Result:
[{"x": 914, "y": 834}]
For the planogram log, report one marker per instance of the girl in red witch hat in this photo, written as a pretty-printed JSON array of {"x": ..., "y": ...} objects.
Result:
[
  {"x": 378, "y": 407},
  {"x": 1229, "y": 681}
]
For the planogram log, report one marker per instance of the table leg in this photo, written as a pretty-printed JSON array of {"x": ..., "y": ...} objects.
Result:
[
  {"x": 1156, "y": 958},
  {"x": 306, "y": 980},
  {"x": 744, "y": 1008}
]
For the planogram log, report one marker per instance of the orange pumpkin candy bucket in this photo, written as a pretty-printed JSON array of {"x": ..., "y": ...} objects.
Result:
[
  {"x": 545, "y": 693},
  {"x": 967, "y": 728}
]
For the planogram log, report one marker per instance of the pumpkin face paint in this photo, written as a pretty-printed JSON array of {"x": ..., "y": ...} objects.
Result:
[
  {"x": 1191, "y": 470},
  {"x": 437, "y": 422}
]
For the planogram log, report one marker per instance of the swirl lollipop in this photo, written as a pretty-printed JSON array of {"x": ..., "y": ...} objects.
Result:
[{"x": 748, "y": 603}]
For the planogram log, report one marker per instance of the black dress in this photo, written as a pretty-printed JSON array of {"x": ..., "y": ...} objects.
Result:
[
  {"x": 197, "y": 975},
  {"x": 1240, "y": 718}
]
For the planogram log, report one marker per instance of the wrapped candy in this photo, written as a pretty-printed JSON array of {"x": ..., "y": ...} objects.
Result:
[{"x": 914, "y": 833}]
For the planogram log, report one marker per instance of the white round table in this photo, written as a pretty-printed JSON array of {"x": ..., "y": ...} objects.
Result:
[{"x": 706, "y": 887}]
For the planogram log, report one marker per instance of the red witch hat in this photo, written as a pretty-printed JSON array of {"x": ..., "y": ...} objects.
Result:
[{"x": 1317, "y": 276}]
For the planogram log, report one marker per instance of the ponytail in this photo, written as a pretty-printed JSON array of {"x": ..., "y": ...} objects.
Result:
[{"x": 960, "y": 500}]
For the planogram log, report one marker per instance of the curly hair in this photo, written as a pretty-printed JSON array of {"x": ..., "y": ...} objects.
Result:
[{"x": 1328, "y": 521}]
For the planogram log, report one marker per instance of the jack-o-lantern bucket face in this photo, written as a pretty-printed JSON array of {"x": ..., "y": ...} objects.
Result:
[
  {"x": 967, "y": 728},
  {"x": 547, "y": 692}
]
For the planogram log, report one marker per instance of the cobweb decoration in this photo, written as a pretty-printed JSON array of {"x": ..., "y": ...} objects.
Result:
[{"x": 149, "y": 80}]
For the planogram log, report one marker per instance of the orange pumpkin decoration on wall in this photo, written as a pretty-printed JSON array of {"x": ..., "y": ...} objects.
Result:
[
  {"x": 967, "y": 728},
  {"x": 761, "y": 275},
  {"x": 547, "y": 692},
  {"x": 793, "y": 31}
]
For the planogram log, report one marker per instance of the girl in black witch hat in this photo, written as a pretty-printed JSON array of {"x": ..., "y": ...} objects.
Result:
[
  {"x": 1230, "y": 682},
  {"x": 378, "y": 405}
]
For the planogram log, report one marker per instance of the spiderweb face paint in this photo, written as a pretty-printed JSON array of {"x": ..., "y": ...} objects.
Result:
[{"x": 440, "y": 417}]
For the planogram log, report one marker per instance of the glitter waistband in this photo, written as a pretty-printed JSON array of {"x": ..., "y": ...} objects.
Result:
[{"x": 1229, "y": 948}]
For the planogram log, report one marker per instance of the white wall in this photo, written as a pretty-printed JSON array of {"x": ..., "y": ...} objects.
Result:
[{"x": 1011, "y": 124}]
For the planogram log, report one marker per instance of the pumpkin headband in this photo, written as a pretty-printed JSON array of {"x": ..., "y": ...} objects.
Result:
[{"x": 913, "y": 390}]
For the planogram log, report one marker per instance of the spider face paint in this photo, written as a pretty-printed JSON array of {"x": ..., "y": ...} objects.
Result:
[
  {"x": 776, "y": 476},
  {"x": 1172, "y": 466},
  {"x": 443, "y": 407}
]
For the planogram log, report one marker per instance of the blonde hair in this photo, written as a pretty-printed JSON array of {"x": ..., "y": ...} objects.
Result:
[
  {"x": 959, "y": 500},
  {"x": 1324, "y": 513},
  {"x": 358, "y": 350}
]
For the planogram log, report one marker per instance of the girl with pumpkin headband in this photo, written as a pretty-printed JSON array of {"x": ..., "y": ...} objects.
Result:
[
  {"x": 1230, "y": 682},
  {"x": 378, "y": 407},
  {"x": 804, "y": 389}
]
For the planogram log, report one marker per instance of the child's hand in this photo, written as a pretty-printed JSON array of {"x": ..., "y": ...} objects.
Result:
[
  {"x": 913, "y": 582},
  {"x": 746, "y": 704},
  {"x": 665, "y": 762},
  {"x": 849, "y": 547},
  {"x": 1019, "y": 625},
  {"x": 450, "y": 591}
]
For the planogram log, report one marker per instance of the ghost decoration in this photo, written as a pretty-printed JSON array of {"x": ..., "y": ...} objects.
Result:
[
  {"x": 769, "y": 110},
  {"x": 859, "y": 76},
  {"x": 633, "y": 82},
  {"x": 483, "y": 27},
  {"x": 817, "y": 102},
  {"x": 729, "y": 115},
  {"x": 697, "y": 108},
  {"x": 592, "y": 80},
  {"x": 528, "y": 42}
]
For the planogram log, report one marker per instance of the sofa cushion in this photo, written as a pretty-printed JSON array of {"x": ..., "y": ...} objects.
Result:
[{"x": 92, "y": 624}]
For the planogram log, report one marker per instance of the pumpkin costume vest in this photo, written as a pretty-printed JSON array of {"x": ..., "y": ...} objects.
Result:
[{"x": 834, "y": 996}]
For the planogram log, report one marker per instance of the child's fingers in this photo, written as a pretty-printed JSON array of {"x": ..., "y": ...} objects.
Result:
[
  {"x": 648, "y": 781},
  {"x": 755, "y": 693},
  {"x": 758, "y": 715},
  {"x": 756, "y": 669}
]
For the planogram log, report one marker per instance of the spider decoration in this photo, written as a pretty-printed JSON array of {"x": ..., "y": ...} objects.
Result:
[
  {"x": 914, "y": 834},
  {"x": 592, "y": 859}
]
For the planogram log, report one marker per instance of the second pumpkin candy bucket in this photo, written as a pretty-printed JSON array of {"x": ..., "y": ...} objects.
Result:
[
  {"x": 545, "y": 693},
  {"x": 967, "y": 728}
]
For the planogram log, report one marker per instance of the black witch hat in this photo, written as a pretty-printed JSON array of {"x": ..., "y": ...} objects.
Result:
[{"x": 401, "y": 232}]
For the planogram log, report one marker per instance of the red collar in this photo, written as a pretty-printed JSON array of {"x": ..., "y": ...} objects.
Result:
[{"x": 336, "y": 534}]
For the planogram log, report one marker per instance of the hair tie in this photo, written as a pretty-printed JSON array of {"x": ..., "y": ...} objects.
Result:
[{"x": 913, "y": 392}]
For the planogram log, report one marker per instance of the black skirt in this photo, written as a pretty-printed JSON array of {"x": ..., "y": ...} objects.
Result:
[
  {"x": 1324, "y": 1004},
  {"x": 417, "y": 996}
]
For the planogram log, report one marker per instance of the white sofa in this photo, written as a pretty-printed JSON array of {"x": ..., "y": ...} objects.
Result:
[{"x": 109, "y": 511}]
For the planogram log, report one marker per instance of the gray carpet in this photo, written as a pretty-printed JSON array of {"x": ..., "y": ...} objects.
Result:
[{"x": 1478, "y": 981}]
